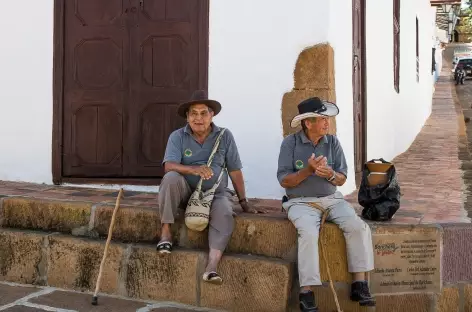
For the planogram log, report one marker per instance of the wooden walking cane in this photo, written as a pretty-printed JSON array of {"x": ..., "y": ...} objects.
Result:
[
  {"x": 325, "y": 213},
  {"x": 105, "y": 252}
]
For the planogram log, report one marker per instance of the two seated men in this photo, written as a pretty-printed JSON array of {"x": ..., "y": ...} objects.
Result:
[{"x": 310, "y": 167}]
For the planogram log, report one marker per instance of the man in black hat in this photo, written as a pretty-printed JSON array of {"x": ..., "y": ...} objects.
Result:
[
  {"x": 185, "y": 161},
  {"x": 311, "y": 166}
]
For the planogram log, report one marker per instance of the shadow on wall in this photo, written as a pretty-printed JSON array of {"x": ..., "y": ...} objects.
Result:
[{"x": 313, "y": 76}]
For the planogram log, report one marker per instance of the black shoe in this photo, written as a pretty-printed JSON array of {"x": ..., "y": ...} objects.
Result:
[
  {"x": 360, "y": 293},
  {"x": 307, "y": 302}
]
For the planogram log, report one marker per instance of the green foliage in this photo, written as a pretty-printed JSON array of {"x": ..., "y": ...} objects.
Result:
[{"x": 465, "y": 25}]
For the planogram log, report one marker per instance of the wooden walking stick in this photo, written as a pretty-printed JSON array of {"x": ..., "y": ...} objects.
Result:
[
  {"x": 105, "y": 252},
  {"x": 325, "y": 213}
]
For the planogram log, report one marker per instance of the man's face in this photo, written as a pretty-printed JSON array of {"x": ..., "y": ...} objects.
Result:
[
  {"x": 199, "y": 117},
  {"x": 318, "y": 125}
]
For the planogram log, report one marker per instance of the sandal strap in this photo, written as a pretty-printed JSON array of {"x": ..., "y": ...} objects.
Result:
[
  {"x": 211, "y": 275},
  {"x": 164, "y": 245}
]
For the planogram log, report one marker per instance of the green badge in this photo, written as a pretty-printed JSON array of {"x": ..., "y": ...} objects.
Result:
[
  {"x": 188, "y": 152},
  {"x": 299, "y": 164}
]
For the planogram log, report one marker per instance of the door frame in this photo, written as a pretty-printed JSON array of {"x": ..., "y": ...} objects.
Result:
[
  {"x": 58, "y": 97},
  {"x": 363, "y": 91}
]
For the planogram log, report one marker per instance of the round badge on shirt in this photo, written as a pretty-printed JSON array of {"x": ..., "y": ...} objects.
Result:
[{"x": 188, "y": 152}]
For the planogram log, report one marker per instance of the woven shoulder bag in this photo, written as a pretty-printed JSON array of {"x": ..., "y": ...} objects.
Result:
[{"x": 197, "y": 213}]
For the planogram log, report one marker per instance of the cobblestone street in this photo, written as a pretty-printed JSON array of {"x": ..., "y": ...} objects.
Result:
[{"x": 463, "y": 97}]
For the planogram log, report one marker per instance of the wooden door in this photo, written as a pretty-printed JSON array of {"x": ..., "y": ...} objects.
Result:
[
  {"x": 358, "y": 84},
  {"x": 127, "y": 65},
  {"x": 168, "y": 57},
  {"x": 95, "y": 41}
]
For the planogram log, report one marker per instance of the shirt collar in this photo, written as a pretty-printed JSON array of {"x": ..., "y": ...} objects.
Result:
[
  {"x": 214, "y": 128},
  {"x": 306, "y": 140}
]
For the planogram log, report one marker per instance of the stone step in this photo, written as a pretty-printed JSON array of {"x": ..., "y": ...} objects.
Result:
[
  {"x": 258, "y": 235},
  {"x": 251, "y": 283},
  {"x": 270, "y": 236}
]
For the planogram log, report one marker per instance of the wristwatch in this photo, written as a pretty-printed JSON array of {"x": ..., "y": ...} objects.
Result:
[{"x": 333, "y": 177}]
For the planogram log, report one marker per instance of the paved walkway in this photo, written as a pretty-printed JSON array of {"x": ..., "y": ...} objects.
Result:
[
  {"x": 429, "y": 172},
  {"x": 464, "y": 96},
  {"x": 27, "y": 298}
]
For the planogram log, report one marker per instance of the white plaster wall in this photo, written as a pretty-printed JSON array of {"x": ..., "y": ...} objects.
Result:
[
  {"x": 340, "y": 38},
  {"x": 253, "y": 49},
  {"x": 442, "y": 35},
  {"x": 26, "y": 90},
  {"x": 394, "y": 120}
]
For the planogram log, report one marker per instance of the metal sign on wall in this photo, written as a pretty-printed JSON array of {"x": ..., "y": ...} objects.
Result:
[{"x": 407, "y": 261}]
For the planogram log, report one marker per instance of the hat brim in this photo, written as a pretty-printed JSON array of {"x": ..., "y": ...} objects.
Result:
[
  {"x": 331, "y": 111},
  {"x": 183, "y": 108}
]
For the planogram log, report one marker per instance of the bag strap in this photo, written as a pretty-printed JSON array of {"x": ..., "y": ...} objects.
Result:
[
  {"x": 212, "y": 155},
  {"x": 215, "y": 147},
  {"x": 218, "y": 181}
]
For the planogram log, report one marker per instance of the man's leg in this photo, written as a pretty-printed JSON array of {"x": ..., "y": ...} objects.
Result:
[
  {"x": 173, "y": 191},
  {"x": 359, "y": 247},
  {"x": 220, "y": 229},
  {"x": 307, "y": 222}
]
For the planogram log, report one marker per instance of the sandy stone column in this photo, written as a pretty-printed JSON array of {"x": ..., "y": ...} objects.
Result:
[{"x": 313, "y": 76}]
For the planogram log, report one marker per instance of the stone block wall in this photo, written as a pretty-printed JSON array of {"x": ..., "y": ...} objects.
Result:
[
  {"x": 313, "y": 76},
  {"x": 260, "y": 263},
  {"x": 457, "y": 269},
  {"x": 451, "y": 290}
]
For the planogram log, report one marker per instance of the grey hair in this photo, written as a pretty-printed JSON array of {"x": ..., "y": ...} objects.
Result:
[{"x": 303, "y": 122}]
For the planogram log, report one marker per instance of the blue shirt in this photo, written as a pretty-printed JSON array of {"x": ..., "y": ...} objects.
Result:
[
  {"x": 295, "y": 151},
  {"x": 183, "y": 148}
]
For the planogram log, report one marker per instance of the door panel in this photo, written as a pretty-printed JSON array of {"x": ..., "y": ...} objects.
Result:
[
  {"x": 127, "y": 66},
  {"x": 165, "y": 51},
  {"x": 94, "y": 87}
]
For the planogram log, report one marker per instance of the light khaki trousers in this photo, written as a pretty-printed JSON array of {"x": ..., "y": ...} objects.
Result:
[
  {"x": 307, "y": 221},
  {"x": 174, "y": 193}
]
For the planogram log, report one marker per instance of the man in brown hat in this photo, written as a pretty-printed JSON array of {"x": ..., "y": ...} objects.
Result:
[
  {"x": 185, "y": 162},
  {"x": 311, "y": 166}
]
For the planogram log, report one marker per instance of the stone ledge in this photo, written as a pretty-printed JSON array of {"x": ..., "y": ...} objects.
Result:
[
  {"x": 269, "y": 236},
  {"x": 137, "y": 271},
  {"x": 48, "y": 215},
  {"x": 250, "y": 283},
  {"x": 257, "y": 235}
]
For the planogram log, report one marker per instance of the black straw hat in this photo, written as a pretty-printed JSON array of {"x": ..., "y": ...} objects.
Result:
[
  {"x": 314, "y": 107},
  {"x": 199, "y": 97}
]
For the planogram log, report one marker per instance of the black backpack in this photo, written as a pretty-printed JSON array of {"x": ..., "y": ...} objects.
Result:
[{"x": 379, "y": 192}]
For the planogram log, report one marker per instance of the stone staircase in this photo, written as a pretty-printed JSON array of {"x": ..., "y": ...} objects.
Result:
[{"x": 60, "y": 243}]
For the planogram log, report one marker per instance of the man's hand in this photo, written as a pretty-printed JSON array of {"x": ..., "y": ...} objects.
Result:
[
  {"x": 324, "y": 172},
  {"x": 317, "y": 162},
  {"x": 248, "y": 208},
  {"x": 203, "y": 171}
]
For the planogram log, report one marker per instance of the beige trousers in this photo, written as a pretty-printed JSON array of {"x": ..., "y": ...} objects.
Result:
[
  {"x": 174, "y": 193},
  {"x": 307, "y": 221}
]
